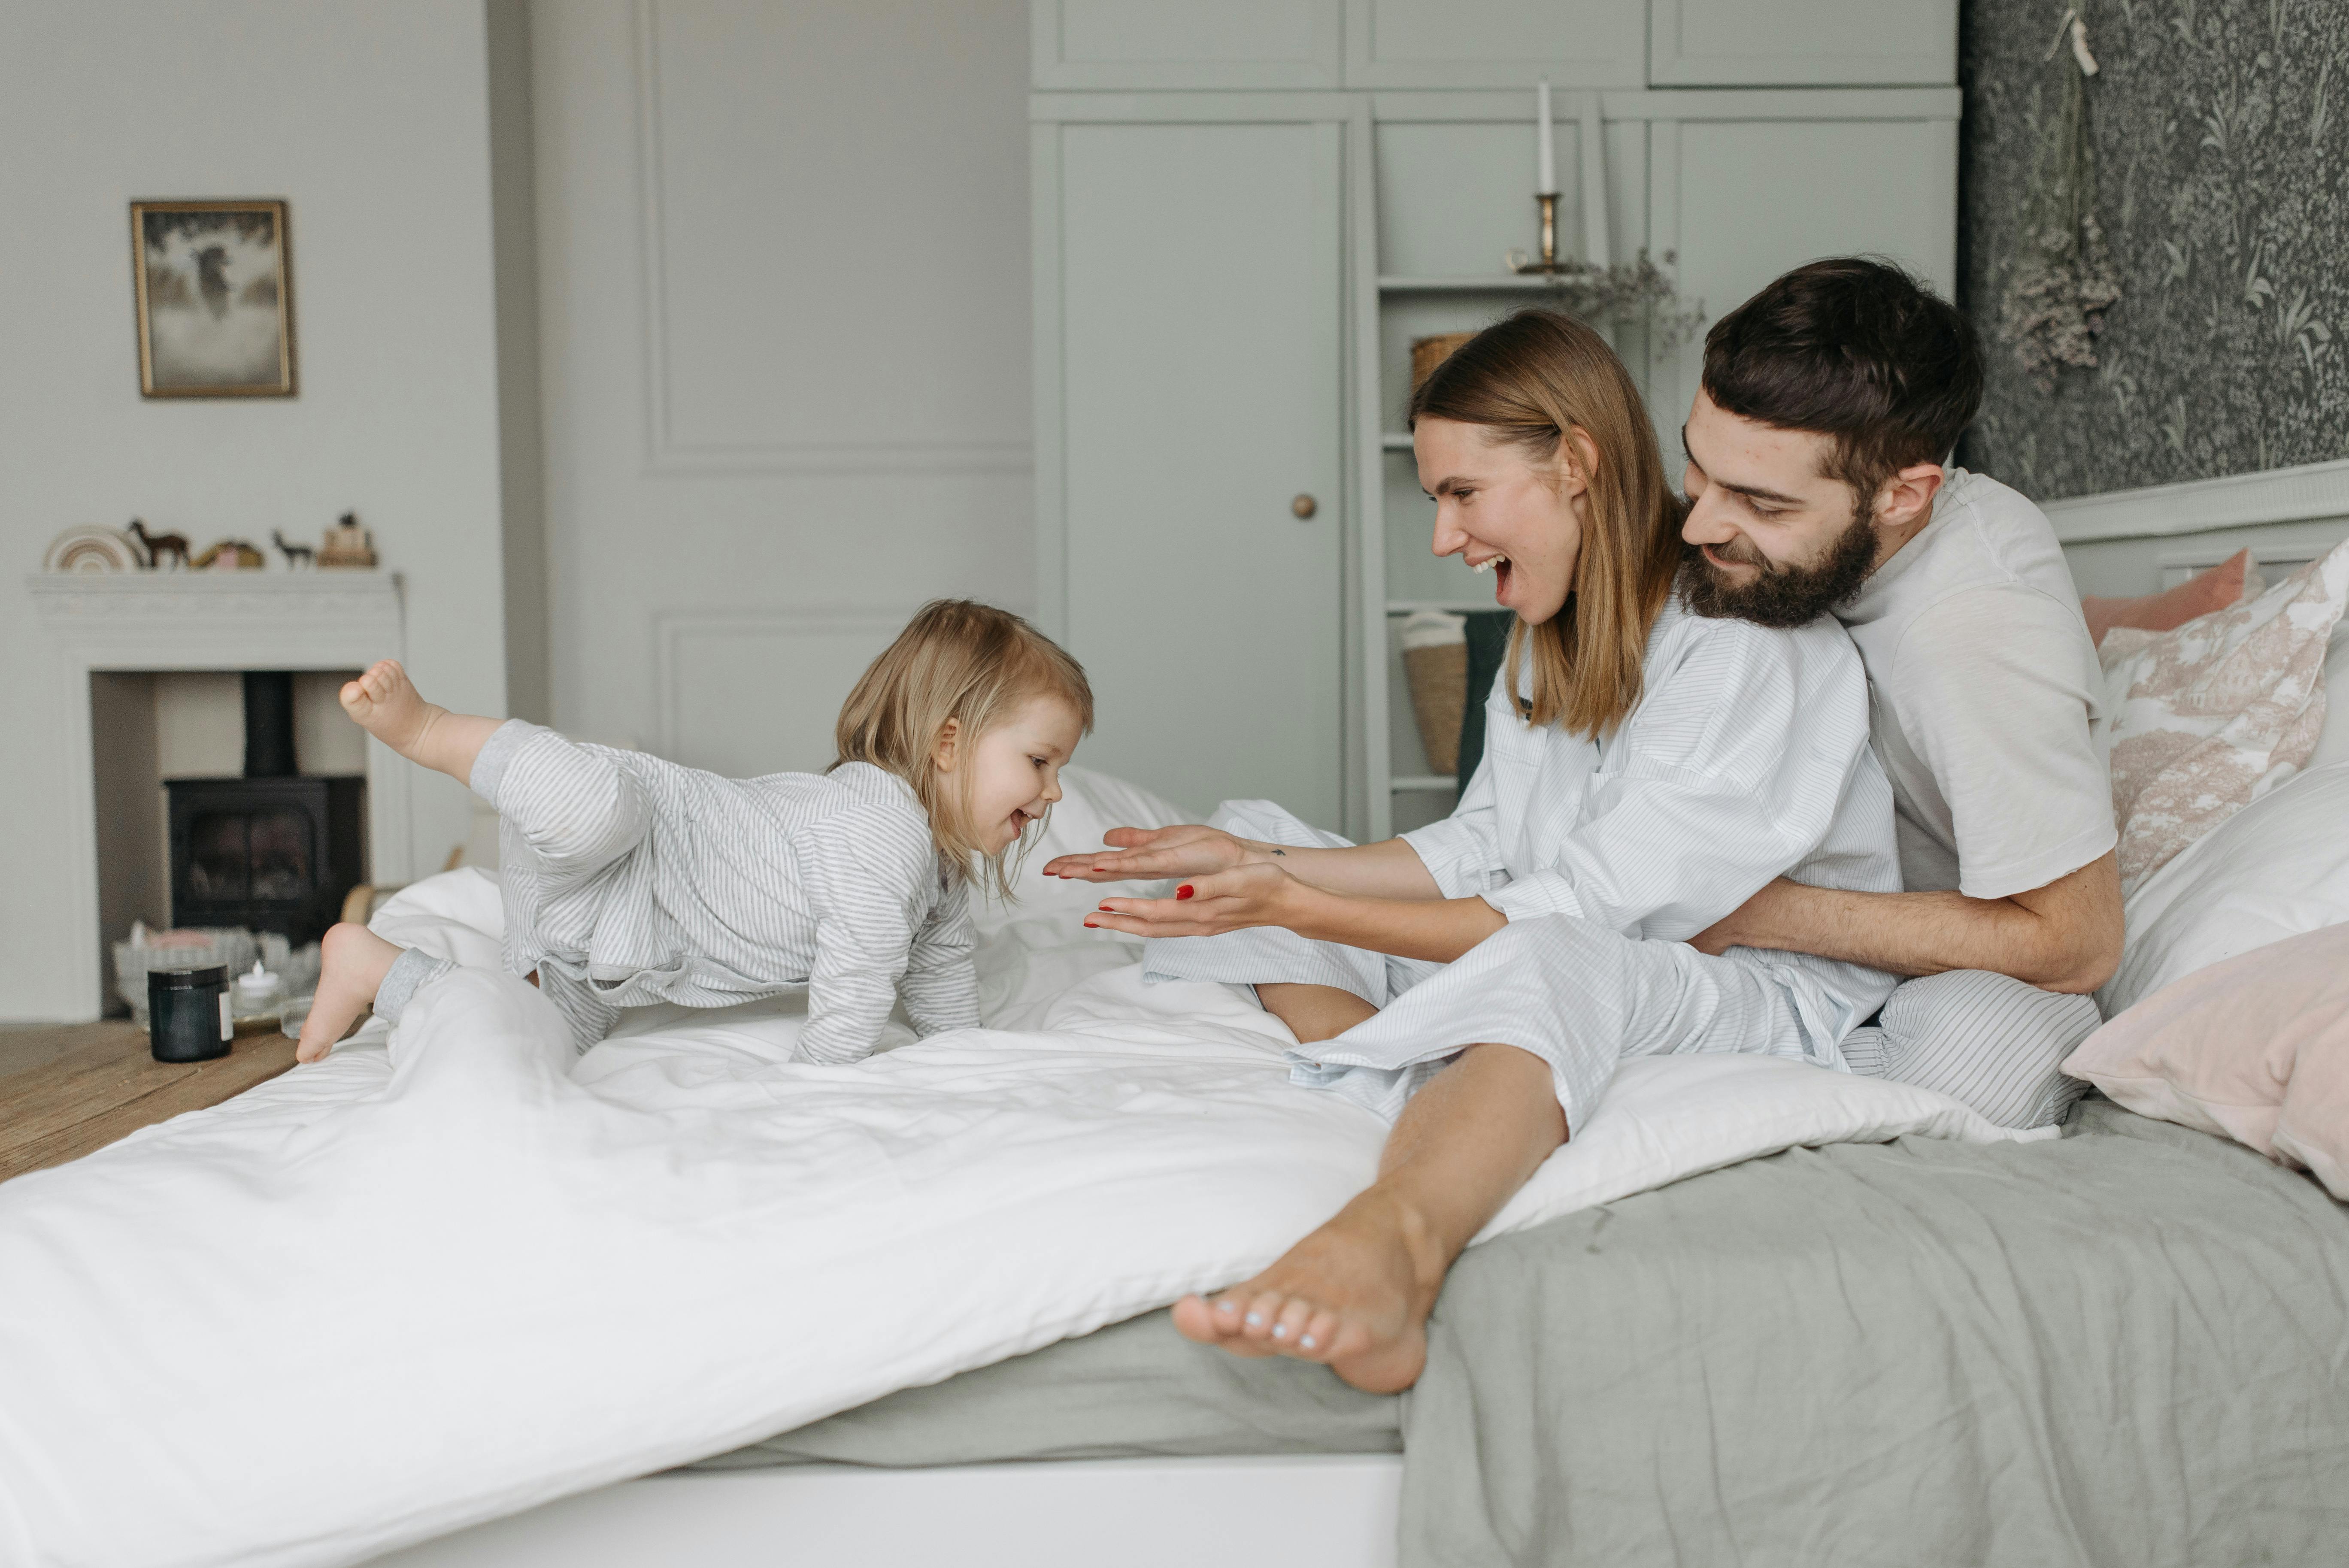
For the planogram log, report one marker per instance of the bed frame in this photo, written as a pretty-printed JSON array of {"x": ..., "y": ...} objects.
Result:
[
  {"x": 1326, "y": 1512},
  {"x": 1335, "y": 1511}
]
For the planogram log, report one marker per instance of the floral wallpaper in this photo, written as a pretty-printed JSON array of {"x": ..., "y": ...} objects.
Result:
[{"x": 2157, "y": 254}]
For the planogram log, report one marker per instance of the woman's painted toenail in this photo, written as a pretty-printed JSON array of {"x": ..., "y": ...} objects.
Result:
[
  {"x": 1255, "y": 1318},
  {"x": 1307, "y": 1342},
  {"x": 1227, "y": 1306},
  {"x": 1280, "y": 1331}
]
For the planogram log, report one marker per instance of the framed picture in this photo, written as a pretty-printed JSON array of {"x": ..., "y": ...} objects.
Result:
[{"x": 215, "y": 298}]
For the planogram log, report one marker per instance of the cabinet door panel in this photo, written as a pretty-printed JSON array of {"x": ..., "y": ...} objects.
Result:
[
  {"x": 1744, "y": 201},
  {"x": 1200, "y": 333},
  {"x": 1101, "y": 43},
  {"x": 1851, "y": 43},
  {"x": 1495, "y": 43}
]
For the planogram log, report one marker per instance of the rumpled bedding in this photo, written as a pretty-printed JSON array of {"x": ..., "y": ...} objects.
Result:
[
  {"x": 2129, "y": 1348},
  {"x": 449, "y": 1274}
]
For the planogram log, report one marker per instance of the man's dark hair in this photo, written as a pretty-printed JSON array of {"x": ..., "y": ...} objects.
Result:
[{"x": 1857, "y": 350}]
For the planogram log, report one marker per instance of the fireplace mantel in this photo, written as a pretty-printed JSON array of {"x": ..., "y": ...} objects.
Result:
[
  {"x": 209, "y": 621},
  {"x": 222, "y": 619}
]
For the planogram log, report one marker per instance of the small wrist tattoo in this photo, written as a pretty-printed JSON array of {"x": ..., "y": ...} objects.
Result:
[{"x": 1282, "y": 853}]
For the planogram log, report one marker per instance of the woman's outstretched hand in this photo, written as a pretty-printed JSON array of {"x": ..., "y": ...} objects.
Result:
[
  {"x": 1209, "y": 906},
  {"x": 1183, "y": 852}
]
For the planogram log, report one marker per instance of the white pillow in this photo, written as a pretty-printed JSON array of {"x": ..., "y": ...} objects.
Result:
[
  {"x": 2332, "y": 740},
  {"x": 2278, "y": 867}
]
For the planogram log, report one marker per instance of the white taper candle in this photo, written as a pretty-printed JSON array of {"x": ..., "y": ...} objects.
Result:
[{"x": 1548, "y": 183}]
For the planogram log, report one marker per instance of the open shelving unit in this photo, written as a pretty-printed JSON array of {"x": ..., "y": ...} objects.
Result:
[{"x": 1439, "y": 198}]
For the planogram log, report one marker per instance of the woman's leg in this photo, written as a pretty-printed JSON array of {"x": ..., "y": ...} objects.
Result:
[
  {"x": 1356, "y": 1293},
  {"x": 1572, "y": 999},
  {"x": 1313, "y": 1012}
]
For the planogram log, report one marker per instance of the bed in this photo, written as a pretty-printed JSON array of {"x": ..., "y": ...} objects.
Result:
[
  {"x": 1857, "y": 1336},
  {"x": 2102, "y": 1254}
]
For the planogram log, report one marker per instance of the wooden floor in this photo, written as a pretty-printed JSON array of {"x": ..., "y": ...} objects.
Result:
[{"x": 66, "y": 1089}]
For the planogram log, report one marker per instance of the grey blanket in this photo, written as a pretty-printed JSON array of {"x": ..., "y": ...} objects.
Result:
[{"x": 2126, "y": 1347}]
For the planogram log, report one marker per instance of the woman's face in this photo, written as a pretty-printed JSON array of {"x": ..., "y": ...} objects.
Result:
[{"x": 1498, "y": 508}]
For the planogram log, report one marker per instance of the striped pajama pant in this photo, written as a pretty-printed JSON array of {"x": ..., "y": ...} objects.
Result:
[
  {"x": 1582, "y": 997},
  {"x": 1578, "y": 996}
]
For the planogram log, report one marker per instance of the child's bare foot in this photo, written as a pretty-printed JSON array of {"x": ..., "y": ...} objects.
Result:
[
  {"x": 1353, "y": 1295},
  {"x": 352, "y": 963},
  {"x": 385, "y": 704}
]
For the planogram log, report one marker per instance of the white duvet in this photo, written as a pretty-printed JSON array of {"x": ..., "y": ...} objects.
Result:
[{"x": 425, "y": 1283}]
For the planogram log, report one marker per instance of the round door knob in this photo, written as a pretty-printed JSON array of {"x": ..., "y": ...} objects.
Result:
[{"x": 1305, "y": 506}]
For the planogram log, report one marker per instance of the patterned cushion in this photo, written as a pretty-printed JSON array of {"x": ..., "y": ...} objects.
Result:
[{"x": 2210, "y": 716}]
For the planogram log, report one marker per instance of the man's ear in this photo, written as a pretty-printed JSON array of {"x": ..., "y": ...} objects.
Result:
[
  {"x": 948, "y": 749},
  {"x": 1907, "y": 497}
]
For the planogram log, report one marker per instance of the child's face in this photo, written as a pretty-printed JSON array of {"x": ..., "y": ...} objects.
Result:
[{"x": 1015, "y": 767}]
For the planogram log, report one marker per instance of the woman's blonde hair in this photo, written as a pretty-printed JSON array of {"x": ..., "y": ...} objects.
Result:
[
  {"x": 1530, "y": 379},
  {"x": 961, "y": 661}
]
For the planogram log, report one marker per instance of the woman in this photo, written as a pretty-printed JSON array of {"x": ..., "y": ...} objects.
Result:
[{"x": 1646, "y": 770}]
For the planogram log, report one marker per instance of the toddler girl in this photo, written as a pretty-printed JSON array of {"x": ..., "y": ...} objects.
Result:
[{"x": 630, "y": 881}]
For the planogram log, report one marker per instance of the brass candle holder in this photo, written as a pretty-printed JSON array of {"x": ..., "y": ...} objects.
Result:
[{"x": 1548, "y": 264}]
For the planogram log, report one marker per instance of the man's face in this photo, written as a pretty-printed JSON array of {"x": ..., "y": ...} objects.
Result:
[{"x": 1770, "y": 537}]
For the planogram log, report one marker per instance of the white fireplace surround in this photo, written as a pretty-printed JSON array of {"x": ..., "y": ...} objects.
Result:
[{"x": 207, "y": 621}]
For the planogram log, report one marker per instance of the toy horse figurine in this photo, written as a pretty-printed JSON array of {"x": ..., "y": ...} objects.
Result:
[
  {"x": 159, "y": 545},
  {"x": 296, "y": 555}
]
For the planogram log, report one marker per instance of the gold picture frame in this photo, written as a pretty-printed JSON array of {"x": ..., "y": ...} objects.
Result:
[{"x": 214, "y": 282}]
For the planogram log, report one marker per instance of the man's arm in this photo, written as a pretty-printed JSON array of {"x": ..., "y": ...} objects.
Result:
[{"x": 2065, "y": 936}]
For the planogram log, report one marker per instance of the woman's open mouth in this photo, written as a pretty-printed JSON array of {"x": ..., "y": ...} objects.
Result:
[{"x": 1498, "y": 565}]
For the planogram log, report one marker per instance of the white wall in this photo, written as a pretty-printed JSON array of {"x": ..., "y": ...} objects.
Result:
[
  {"x": 373, "y": 121},
  {"x": 783, "y": 294}
]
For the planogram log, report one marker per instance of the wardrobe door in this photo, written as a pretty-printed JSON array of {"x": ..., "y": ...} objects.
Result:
[
  {"x": 1193, "y": 557},
  {"x": 1768, "y": 180},
  {"x": 1183, "y": 43},
  {"x": 1768, "y": 43},
  {"x": 1495, "y": 43}
]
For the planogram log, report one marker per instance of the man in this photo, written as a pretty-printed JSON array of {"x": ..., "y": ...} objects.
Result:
[{"x": 1817, "y": 481}]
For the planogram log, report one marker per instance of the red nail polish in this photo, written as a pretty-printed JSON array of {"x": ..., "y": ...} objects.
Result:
[{"x": 1183, "y": 892}]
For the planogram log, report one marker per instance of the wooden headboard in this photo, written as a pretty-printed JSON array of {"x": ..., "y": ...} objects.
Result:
[{"x": 2140, "y": 541}]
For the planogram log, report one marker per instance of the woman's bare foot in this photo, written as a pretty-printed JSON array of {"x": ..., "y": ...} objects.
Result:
[
  {"x": 352, "y": 963},
  {"x": 1353, "y": 1295}
]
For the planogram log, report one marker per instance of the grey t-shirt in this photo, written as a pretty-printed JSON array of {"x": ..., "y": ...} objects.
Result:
[{"x": 1982, "y": 689}]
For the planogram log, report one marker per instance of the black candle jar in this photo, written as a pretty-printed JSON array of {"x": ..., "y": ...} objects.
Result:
[{"x": 187, "y": 1014}]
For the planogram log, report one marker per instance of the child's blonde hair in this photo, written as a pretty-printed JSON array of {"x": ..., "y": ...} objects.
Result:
[{"x": 969, "y": 662}]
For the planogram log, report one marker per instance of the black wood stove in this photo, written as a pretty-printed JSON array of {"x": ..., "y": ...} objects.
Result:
[{"x": 271, "y": 851}]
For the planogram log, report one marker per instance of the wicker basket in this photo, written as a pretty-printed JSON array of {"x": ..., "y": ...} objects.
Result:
[
  {"x": 1439, "y": 699},
  {"x": 1427, "y": 353}
]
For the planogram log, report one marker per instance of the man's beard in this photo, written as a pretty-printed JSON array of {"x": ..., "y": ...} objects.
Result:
[{"x": 1781, "y": 595}]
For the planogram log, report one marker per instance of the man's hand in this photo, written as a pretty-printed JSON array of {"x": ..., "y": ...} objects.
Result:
[
  {"x": 1144, "y": 852},
  {"x": 1230, "y": 899},
  {"x": 1730, "y": 930}
]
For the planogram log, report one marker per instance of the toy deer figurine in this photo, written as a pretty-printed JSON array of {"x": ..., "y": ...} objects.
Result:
[
  {"x": 159, "y": 545},
  {"x": 296, "y": 555}
]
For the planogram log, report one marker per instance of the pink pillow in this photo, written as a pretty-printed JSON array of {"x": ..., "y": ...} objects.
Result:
[
  {"x": 2199, "y": 595},
  {"x": 2255, "y": 1048}
]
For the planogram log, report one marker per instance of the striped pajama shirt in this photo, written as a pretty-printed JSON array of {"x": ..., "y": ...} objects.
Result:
[
  {"x": 1745, "y": 759},
  {"x": 629, "y": 880}
]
